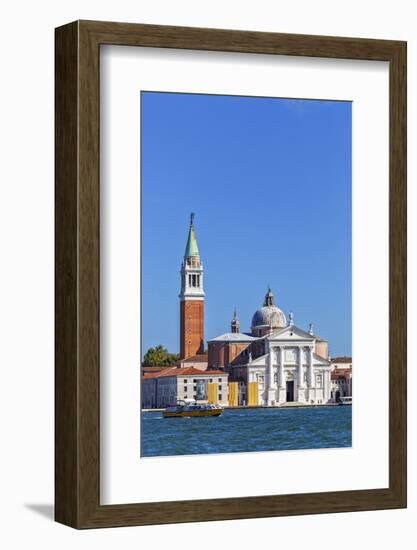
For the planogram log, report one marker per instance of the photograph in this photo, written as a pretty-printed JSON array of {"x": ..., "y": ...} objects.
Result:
[{"x": 246, "y": 274}]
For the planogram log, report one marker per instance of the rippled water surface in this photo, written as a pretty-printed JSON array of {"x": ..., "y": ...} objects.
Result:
[{"x": 243, "y": 430}]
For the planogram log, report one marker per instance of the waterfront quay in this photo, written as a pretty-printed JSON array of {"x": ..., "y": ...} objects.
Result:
[{"x": 293, "y": 405}]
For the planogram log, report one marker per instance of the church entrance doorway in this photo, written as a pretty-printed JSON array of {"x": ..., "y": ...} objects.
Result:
[{"x": 290, "y": 390}]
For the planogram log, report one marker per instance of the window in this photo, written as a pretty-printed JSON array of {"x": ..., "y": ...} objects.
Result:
[
  {"x": 220, "y": 396},
  {"x": 220, "y": 380},
  {"x": 185, "y": 380},
  {"x": 260, "y": 380},
  {"x": 220, "y": 387},
  {"x": 211, "y": 380}
]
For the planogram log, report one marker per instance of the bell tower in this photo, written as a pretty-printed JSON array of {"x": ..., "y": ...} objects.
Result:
[
  {"x": 191, "y": 298},
  {"x": 235, "y": 325}
]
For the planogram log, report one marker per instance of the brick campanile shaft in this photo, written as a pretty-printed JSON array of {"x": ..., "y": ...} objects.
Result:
[{"x": 191, "y": 298}]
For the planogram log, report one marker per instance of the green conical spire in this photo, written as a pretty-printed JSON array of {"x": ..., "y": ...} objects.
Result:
[{"x": 192, "y": 248}]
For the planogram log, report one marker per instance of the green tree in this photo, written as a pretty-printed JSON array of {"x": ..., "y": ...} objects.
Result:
[{"x": 159, "y": 356}]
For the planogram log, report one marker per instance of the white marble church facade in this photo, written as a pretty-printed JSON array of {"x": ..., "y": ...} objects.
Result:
[{"x": 289, "y": 371}]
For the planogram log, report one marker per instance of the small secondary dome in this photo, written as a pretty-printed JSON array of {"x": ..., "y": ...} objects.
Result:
[{"x": 269, "y": 315}]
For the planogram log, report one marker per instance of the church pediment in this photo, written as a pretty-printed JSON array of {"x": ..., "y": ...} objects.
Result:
[
  {"x": 290, "y": 333},
  {"x": 259, "y": 361}
]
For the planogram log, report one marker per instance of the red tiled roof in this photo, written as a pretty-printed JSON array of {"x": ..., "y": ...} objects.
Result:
[
  {"x": 202, "y": 358},
  {"x": 337, "y": 374},
  {"x": 153, "y": 368},
  {"x": 184, "y": 371},
  {"x": 344, "y": 359}
]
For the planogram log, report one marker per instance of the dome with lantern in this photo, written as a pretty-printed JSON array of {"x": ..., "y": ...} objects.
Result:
[{"x": 269, "y": 316}]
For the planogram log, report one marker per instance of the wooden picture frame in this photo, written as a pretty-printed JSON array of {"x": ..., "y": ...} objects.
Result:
[{"x": 77, "y": 382}]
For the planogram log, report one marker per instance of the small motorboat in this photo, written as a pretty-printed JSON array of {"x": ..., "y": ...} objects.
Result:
[
  {"x": 345, "y": 401},
  {"x": 188, "y": 410}
]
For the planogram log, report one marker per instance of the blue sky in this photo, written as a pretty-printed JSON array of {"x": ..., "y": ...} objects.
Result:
[{"x": 269, "y": 181}]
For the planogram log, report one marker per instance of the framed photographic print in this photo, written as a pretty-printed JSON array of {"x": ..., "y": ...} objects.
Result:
[{"x": 230, "y": 274}]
